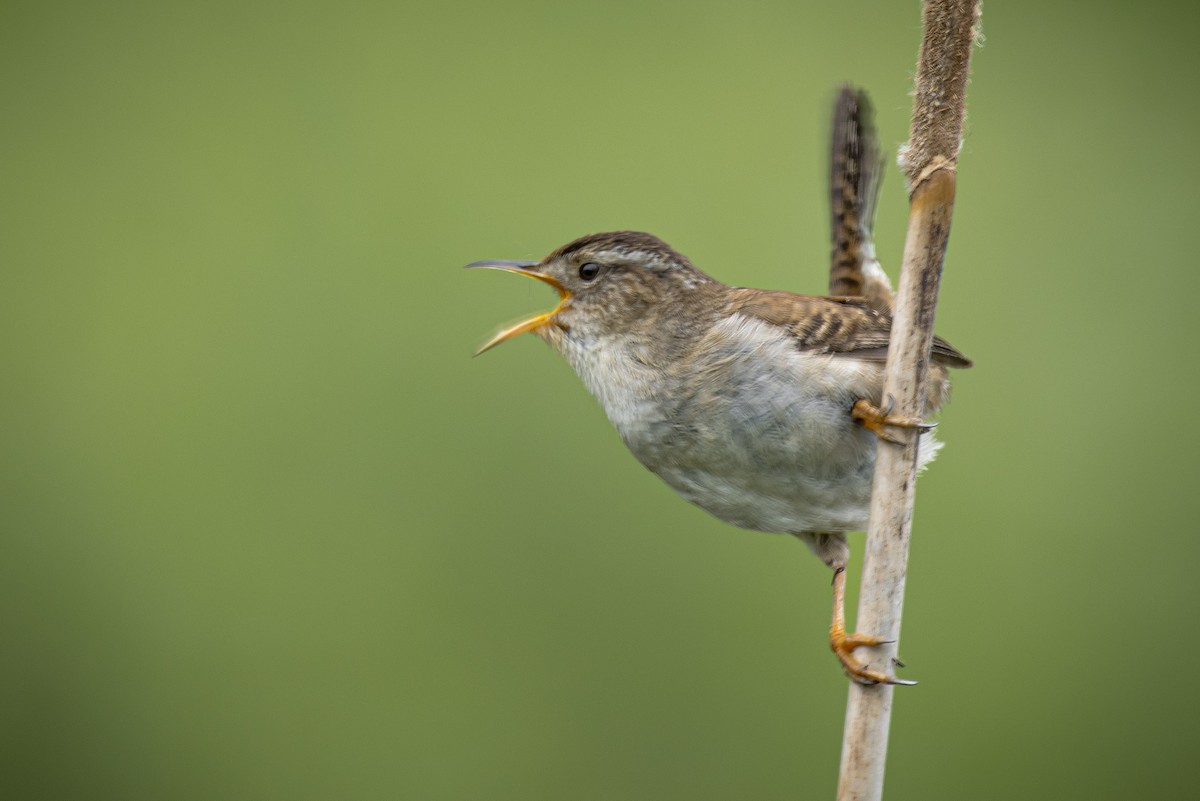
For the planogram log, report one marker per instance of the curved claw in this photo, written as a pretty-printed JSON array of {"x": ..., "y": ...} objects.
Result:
[{"x": 843, "y": 645}]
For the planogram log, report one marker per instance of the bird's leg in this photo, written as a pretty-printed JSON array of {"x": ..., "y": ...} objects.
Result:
[
  {"x": 843, "y": 644},
  {"x": 880, "y": 420}
]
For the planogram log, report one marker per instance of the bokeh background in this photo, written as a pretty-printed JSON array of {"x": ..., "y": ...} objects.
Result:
[{"x": 268, "y": 531}]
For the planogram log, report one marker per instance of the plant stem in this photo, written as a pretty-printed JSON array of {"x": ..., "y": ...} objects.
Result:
[{"x": 929, "y": 162}]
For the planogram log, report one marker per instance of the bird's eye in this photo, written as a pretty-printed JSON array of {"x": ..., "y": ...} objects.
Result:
[{"x": 590, "y": 271}]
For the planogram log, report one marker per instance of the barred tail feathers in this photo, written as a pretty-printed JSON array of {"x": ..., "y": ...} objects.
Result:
[{"x": 855, "y": 175}]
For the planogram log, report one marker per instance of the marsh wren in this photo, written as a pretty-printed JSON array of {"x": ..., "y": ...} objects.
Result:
[{"x": 761, "y": 407}]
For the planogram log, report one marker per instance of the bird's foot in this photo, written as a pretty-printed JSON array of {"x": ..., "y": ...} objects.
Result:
[
  {"x": 882, "y": 420},
  {"x": 843, "y": 645}
]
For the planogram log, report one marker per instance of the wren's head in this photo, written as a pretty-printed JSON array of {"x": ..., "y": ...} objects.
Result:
[{"x": 611, "y": 283}]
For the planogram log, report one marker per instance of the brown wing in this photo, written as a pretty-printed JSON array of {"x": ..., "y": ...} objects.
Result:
[{"x": 832, "y": 325}]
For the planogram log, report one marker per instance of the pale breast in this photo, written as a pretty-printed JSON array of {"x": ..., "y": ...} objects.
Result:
[{"x": 745, "y": 425}]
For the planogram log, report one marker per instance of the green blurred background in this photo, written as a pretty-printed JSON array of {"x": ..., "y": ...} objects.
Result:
[{"x": 268, "y": 531}]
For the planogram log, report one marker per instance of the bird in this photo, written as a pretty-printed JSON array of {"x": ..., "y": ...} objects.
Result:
[{"x": 764, "y": 408}]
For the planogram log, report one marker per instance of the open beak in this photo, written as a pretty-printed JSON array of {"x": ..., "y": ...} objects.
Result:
[{"x": 532, "y": 323}]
